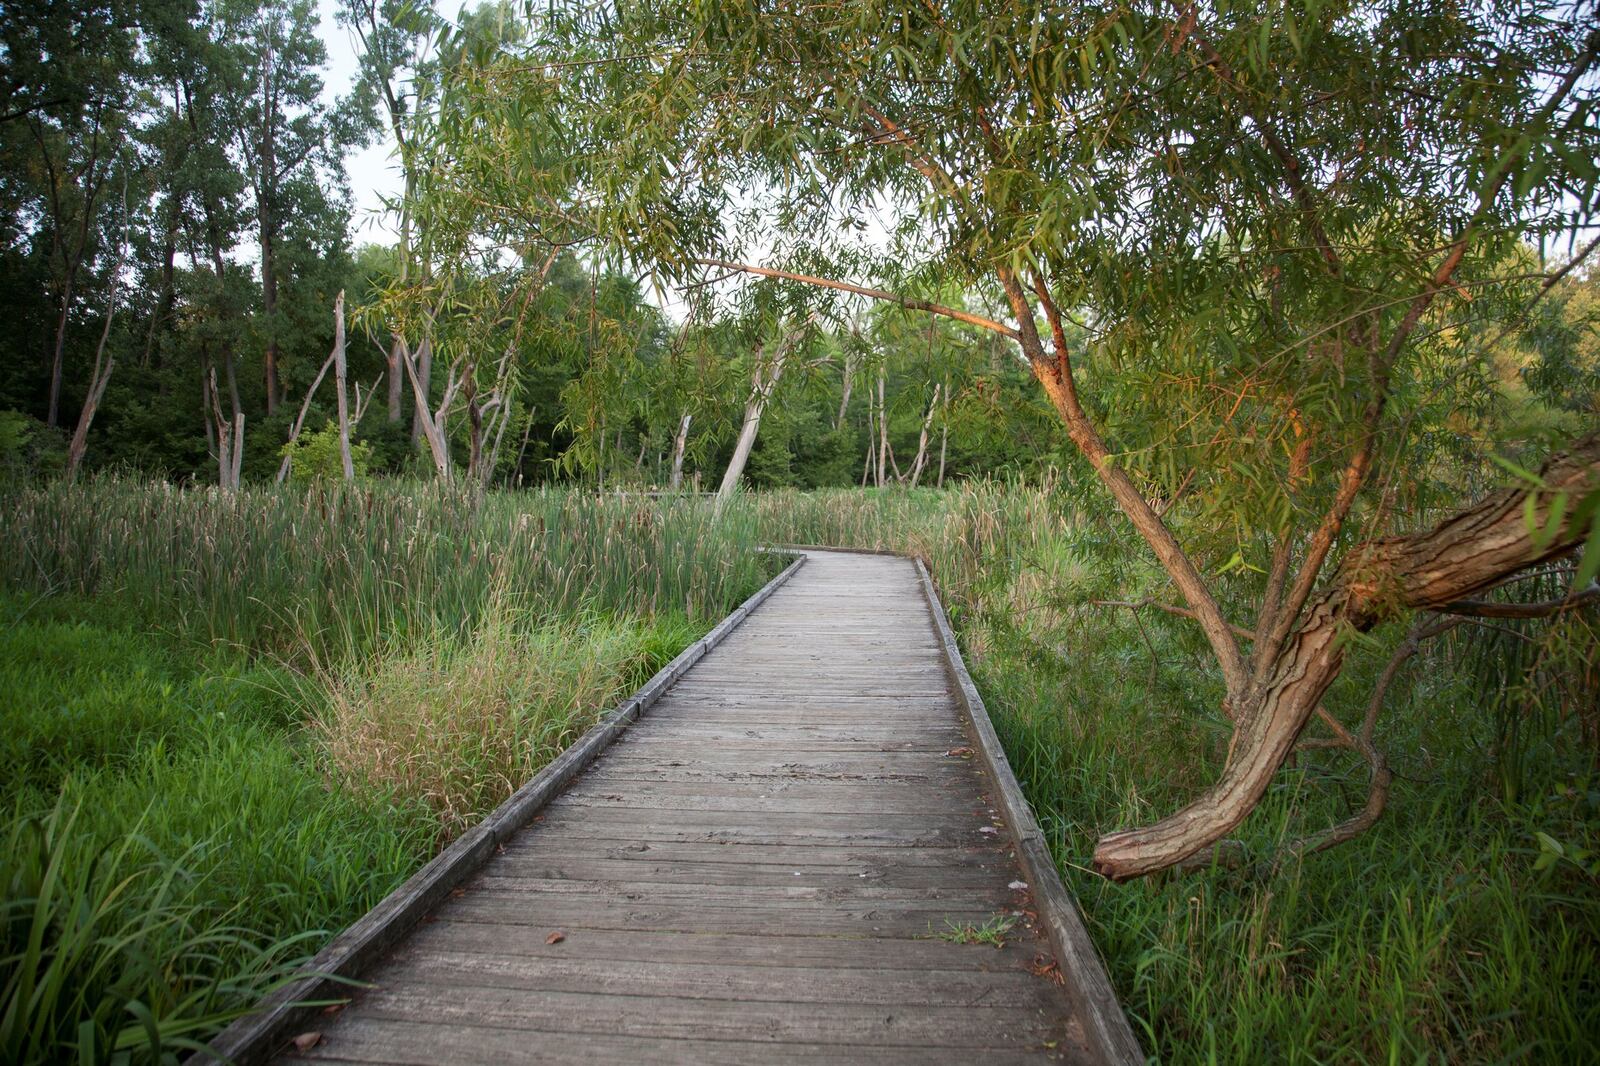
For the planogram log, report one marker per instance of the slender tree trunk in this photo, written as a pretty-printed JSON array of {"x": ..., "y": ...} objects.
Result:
[
  {"x": 269, "y": 306},
  {"x": 764, "y": 379},
  {"x": 741, "y": 449},
  {"x": 844, "y": 394},
  {"x": 944, "y": 439},
  {"x": 342, "y": 385},
  {"x": 469, "y": 394},
  {"x": 300, "y": 419},
  {"x": 680, "y": 443},
  {"x": 872, "y": 443},
  {"x": 430, "y": 426},
  {"x": 922, "y": 440},
  {"x": 423, "y": 372},
  {"x": 883, "y": 434},
  {"x": 103, "y": 365},
  {"x": 53, "y": 417},
  {"x": 396, "y": 381}
]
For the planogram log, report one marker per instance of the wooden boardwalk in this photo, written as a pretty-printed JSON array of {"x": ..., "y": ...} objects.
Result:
[{"x": 766, "y": 867}]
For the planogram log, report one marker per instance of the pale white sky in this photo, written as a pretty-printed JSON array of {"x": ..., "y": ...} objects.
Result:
[{"x": 374, "y": 173}]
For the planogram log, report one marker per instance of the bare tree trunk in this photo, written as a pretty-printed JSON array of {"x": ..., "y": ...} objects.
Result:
[
  {"x": 844, "y": 395},
  {"x": 872, "y": 444},
  {"x": 300, "y": 419},
  {"x": 396, "y": 380},
  {"x": 421, "y": 383},
  {"x": 341, "y": 385},
  {"x": 680, "y": 443},
  {"x": 922, "y": 440},
  {"x": 522, "y": 449},
  {"x": 103, "y": 363},
  {"x": 741, "y": 449},
  {"x": 944, "y": 440},
  {"x": 944, "y": 432},
  {"x": 429, "y": 425},
  {"x": 883, "y": 434},
  {"x": 764, "y": 379},
  {"x": 230, "y": 439}
]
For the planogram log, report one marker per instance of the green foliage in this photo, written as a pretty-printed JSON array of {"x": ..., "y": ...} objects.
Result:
[
  {"x": 318, "y": 457},
  {"x": 106, "y": 959},
  {"x": 29, "y": 450}
]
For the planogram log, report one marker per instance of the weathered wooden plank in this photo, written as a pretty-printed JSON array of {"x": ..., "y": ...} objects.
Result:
[
  {"x": 1016, "y": 989},
  {"x": 748, "y": 873},
  {"x": 976, "y": 1026},
  {"x": 788, "y": 797},
  {"x": 538, "y": 845},
  {"x": 499, "y": 881},
  {"x": 404, "y": 1042},
  {"x": 913, "y": 919},
  {"x": 779, "y": 951}
]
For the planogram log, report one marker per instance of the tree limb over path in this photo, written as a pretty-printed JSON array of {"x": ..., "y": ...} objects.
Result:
[{"x": 1467, "y": 553}]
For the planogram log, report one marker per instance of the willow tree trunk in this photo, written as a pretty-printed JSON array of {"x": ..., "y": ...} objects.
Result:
[
  {"x": 1472, "y": 550},
  {"x": 680, "y": 443},
  {"x": 844, "y": 394},
  {"x": 103, "y": 363},
  {"x": 300, "y": 419},
  {"x": 922, "y": 439},
  {"x": 741, "y": 449},
  {"x": 763, "y": 380},
  {"x": 341, "y": 385},
  {"x": 883, "y": 435}
]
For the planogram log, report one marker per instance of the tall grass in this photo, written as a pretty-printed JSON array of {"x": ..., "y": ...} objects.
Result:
[
  {"x": 274, "y": 705},
  {"x": 1464, "y": 928},
  {"x": 459, "y": 724},
  {"x": 364, "y": 567}
]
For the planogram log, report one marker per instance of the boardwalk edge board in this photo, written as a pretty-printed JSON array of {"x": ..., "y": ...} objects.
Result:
[
  {"x": 1105, "y": 1025},
  {"x": 259, "y": 1035}
]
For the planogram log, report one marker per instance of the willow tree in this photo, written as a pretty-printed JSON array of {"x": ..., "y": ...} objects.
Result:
[{"x": 1278, "y": 230}]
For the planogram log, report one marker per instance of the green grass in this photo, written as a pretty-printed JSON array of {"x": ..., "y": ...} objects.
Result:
[
  {"x": 992, "y": 932},
  {"x": 234, "y": 723},
  {"x": 239, "y": 721},
  {"x": 1453, "y": 932}
]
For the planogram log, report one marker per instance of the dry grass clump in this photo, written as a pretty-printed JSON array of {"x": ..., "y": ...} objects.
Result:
[{"x": 461, "y": 723}]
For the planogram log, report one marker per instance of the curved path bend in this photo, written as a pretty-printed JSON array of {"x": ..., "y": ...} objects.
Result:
[{"x": 778, "y": 863}]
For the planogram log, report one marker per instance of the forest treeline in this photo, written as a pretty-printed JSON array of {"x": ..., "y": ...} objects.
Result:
[{"x": 176, "y": 231}]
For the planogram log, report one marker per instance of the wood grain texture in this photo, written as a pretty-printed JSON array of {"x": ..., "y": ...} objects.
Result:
[{"x": 775, "y": 864}]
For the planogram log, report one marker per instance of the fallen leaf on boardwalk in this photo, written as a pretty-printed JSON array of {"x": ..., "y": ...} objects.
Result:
[
  {"x": 307, "y": 1041},
  {"x": 961, "y": 752},
  {"x": 334, "y": 1008},
  {"x": 1044, "y": 966},
  {"x": 555, "y": 938}
]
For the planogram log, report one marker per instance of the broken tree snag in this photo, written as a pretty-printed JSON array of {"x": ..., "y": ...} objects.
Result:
[
  {"x": 341, "y": 384},
  {"x": 1467, "y": 553}
]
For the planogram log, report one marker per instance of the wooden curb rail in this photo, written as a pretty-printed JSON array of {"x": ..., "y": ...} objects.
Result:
[
  {"x": 1088, "y": 986},
  {"x": 261, "y": 1034}
]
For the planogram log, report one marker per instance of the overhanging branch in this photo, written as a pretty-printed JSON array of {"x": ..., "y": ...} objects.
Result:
[{"x": 908, "y": 302}]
